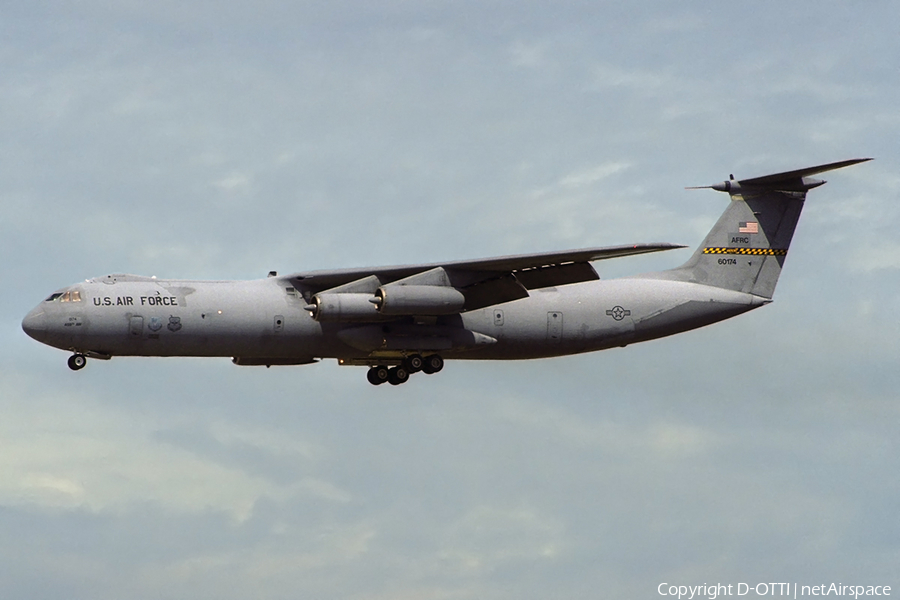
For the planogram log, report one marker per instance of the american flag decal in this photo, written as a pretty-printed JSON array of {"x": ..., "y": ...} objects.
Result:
[{"x": 748, "y": 227}]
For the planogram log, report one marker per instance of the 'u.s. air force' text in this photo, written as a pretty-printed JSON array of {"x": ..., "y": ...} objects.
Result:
[{"x": 129, "y": 301}]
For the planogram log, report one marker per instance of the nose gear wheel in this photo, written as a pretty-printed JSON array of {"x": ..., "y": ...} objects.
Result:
[{"x": 77, "y": 362}]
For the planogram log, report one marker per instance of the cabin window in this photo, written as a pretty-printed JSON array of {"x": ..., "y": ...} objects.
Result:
[{"x": 53, "y": 297}]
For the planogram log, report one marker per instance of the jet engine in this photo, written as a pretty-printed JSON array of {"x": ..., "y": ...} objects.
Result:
[
  {"x": 343, "y": 307},
  {"x": 388, "y": 301},
  {"x": 426, "y": 300}
]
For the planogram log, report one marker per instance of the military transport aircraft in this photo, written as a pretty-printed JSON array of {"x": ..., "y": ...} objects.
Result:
[{"x": 404, "y": 319}]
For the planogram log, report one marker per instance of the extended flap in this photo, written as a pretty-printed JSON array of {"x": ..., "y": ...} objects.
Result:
[
  {"x": 505, "y": 288},
  {"x": 542, "y": 277}
]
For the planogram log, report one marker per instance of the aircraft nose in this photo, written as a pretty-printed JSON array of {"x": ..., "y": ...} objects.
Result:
[{"x": 35, "y": 324}]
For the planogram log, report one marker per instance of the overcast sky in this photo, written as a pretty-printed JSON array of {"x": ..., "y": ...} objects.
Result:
[{"x": 225, "y": 139}]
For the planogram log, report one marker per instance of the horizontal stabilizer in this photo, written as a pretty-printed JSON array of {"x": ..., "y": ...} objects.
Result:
[
  {"x": 789, "y": 181},
  {"x": 789, "y": 176}
]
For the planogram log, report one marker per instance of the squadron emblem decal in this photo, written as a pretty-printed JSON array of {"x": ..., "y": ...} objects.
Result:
[
  {"x": 155, "y": 324},
  {"x": 174, "y": 323},
  {"x": 618, "y": 313}
]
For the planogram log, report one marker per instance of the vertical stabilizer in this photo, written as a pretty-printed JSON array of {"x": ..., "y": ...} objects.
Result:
[{"x": 746, "y": 248}]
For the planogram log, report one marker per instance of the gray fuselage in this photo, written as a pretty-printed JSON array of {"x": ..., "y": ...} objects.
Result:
[{"x": 265, "y": 319}]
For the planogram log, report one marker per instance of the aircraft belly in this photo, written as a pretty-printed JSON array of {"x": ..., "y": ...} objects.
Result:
[
  {"x": 554, "y": 322},
  {"x": 604, "y": 314},
  {"x": 673, "y": 307}
]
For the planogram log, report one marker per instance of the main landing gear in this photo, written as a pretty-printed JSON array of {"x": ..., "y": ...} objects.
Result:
[
  {"x": 77, "y": 362},
  {"x": 400, "y": 374}
]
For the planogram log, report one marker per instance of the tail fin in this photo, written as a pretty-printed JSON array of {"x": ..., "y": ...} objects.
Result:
[{"x": 746, "y": 248}]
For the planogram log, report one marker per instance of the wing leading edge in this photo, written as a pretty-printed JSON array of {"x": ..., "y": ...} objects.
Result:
[{"x": 519, "y": 264}]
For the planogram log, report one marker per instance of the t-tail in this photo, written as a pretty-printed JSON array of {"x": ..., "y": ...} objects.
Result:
[{"x": 746, "y": 248}]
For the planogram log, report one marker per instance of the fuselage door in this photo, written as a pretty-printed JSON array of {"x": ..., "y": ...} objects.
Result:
[{"x": 136, "y": 326}]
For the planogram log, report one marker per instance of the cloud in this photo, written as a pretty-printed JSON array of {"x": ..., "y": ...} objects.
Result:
[
  {"x": 486, "y": 537},
  {"x": 592, "y": 175},
  {"x": 528, "y": 55},
  {"x": 79, "y": 455}
]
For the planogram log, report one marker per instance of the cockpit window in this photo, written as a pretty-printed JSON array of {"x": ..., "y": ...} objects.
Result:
[
  {"x": 53, "y": 297},
  {"x": 73, "y": 296}
]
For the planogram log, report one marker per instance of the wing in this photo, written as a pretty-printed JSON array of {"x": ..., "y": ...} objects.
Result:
[{"x": 483, "y": 282}]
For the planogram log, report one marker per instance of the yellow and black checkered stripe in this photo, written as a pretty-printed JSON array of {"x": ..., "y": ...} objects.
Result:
[{"x": 750, "y": 251}]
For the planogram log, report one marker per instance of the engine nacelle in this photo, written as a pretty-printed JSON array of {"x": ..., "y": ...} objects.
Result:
[
  {"x": 344, "y": 307},
  {"x": 425, "y": 300}
]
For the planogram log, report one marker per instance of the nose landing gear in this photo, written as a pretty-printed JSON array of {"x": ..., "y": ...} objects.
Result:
[{"x": 77, "y": 362}]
